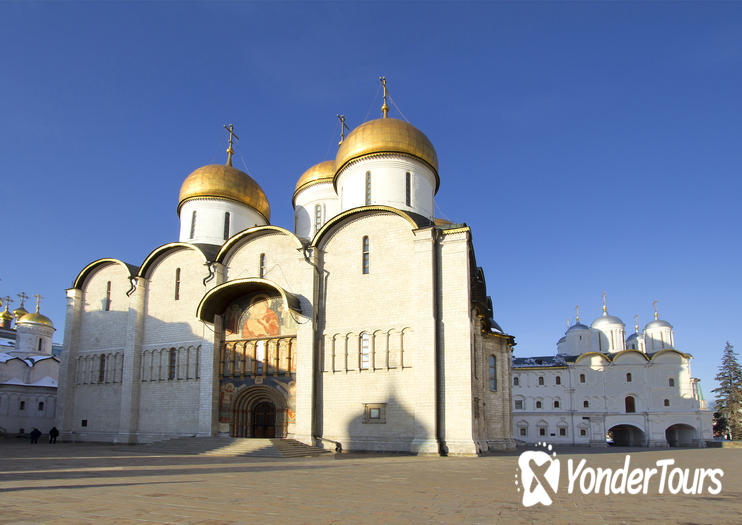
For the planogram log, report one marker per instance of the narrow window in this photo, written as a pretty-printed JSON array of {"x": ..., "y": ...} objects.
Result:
[
  {"x": 519, "y": 404},
  {"x": 40, "y": 344},
  {"x": 171, "y": 361},
  {"x": 408, "y": 192},
  {"x": 107, "y": 305},
  {"x": 368, "y": 188},
  {"x": 540, "y": 380},
  {"x": 582, "y": 378},
  {"x": 562, "y": 431},
  {"x": 317, "y": 217},
  {"x": 493, "y": 373},
  {"x": 613, "y": 344},
  {"x": 630, "y": 404},
  {"x": 365, "y": 258},
  {"x": 193, "y": 224},
  {"x": 262, "y": 266},
  {"x": 583, "y": 432},
  {"x": 671, "y": 382},
  {"x": 558, "y": 380},
  {"x": 556, "y": 404},
  {"x": 662, "y": 339},
  {"x": 177, "y": 284},
  {"x": 102, "y": 368},
  {"x": 365, "y": 351},
  {"x": 259, "y": 357},
  {"x": 667, "y": 402},
  {"x": 542, "y": 431},
  {"x": 523, "y": 431},
  {"x": 41, "y": 405},
  {"x": 23, "y": 405},
  {"x": 516, "y": 381},
  {"x": 586, "y": 404},
  {"x": 226, "y": 225},
  {"x": 628, "y": 377},
  {"x": 538, "y": 404}
]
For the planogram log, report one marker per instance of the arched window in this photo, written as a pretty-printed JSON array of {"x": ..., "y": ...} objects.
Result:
[
  {"x": 365, "y": 257},
  {"x": 671, "y": 382},
  {"x": 630, "y": 404},
  {"x": 368, "y": 188},
  {"x": 41, "y": 405},
  {"x": 177, "y": 284},
  {"x": 558, "y": 380},
  {"x": 107, "y": 305},
  {"x": 586, "y": 404},
  {"x": 540, "y": 380},
  {"x": 556, "y": 404},
  {"x": 102, "y": 368},
  {"x": 538, "y": 404},
  {"x": 516, "y": 381},
  {"x": 365, "y": 351},
  {"x": 582, "y": 378},
  {"x": 667, "y": 402},
  {"x": 193, "y": 224},
  {"x": 172, "y": 358},
  {"x": 317, "y": 217},
  {"x": 493, "y": 373},
  {"x": 41, "y": 344},
  {"x": 226, "y": 225},
  {"x": 628, "y": 377},
  {"x": 408, "y": 189},
  {"x": 261, "y": 273}
]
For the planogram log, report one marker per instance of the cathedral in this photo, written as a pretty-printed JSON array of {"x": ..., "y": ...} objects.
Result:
[
  {"x": 603, "y": 388},
  {"x": 367, "y": 327}
]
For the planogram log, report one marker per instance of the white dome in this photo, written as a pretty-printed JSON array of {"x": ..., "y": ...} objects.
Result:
[{"x": 606, "y": 319}]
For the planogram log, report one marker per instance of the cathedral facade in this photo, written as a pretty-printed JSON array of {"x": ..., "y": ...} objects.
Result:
[
  {"x": 368, "y": 327},
  {"x": 603, "y": 388}
]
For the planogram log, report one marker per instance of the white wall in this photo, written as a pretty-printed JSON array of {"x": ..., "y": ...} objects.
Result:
[
  {"x": 322, "y": 194},
  {"x": 210, "y": 220}
]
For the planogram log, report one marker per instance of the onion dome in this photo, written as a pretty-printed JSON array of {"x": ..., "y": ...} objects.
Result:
[
  {"x": 387, "y": 135},
  {"x": 658, "y": 323},
  {"x": 35, "y": 319},
  {"x": 217, "y": 181},
  {"x": 322, "y": 172},
  {"x": 633, "y": 336},
  {"x": 19, "y": 312},
  {"x": 606, "y": 319},
  {"x": 576, "y": 326},
  {"x": 5, "y": 315}
]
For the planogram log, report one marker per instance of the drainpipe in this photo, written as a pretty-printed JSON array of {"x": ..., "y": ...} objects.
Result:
[{"x": 442, "y": 449}]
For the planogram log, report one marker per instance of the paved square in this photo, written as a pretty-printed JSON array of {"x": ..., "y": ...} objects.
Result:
[{"x": 91, "y": 483}]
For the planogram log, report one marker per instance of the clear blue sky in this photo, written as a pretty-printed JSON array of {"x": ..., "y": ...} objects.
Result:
[{"x": 590, "y": 146}]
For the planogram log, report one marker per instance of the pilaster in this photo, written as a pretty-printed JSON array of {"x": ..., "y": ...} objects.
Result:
[{"x": 65, "y": 390}]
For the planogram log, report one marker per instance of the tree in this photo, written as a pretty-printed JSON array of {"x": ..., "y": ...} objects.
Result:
[{"x": 729, "y": 392}]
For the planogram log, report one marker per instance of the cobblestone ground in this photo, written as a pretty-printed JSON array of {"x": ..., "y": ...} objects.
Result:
[{"x": 86, "y": 483}]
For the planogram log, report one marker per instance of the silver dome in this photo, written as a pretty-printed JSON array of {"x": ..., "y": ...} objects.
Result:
[
  {"x": 606, "y": 319},
  {"x": 576, "y": 326},
  {"x": 658, "y": 323}
]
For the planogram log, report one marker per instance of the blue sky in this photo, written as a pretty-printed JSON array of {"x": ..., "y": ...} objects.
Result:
[{"x": 590, "y": 146}]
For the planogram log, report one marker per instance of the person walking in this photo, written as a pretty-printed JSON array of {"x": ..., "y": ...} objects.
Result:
[
  {"x": 53, "y": 435},
  {"x": 35, "y": 434}
]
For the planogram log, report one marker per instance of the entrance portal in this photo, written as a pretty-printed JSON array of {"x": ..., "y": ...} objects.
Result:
[
  {"x": 264, "y": 420},
  {"x": 626, "y": 436}
]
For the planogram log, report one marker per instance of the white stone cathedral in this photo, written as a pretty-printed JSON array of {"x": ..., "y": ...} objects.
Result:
[
  {"x": 602, "y": 388},
  {"x": 367, "y": 327}
]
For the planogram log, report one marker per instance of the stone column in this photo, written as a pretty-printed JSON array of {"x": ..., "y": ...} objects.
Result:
[
  {"x": 66, "y": 389},
  {"x": 308, "y": 407},
  {"x": 130, "y": 379}
]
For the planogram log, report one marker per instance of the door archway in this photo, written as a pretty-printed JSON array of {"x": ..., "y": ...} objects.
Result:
[
  {"x": 681, "y": 435},
  {"x": 259, "y": 412},
  {"x": 627, "y": 436}
]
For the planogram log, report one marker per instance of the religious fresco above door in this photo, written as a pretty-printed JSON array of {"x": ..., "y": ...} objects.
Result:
[{"x": 258, "y": 316}]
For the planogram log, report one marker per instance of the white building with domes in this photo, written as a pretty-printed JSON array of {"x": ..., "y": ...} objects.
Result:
[
  {"x": 603, "y": 388},
  {"x": 331, "y": 334}
]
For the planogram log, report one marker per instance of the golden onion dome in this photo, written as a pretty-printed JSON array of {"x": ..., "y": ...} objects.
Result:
[
  {"x": 387, "y": 135},
  {"x": 35, "y": 318},
  {"x": 322, "y": 172},
  {"x": 219, "y": 181},
  {"x": 19, "y": 312},
  {"x": 6, "y": 315}
]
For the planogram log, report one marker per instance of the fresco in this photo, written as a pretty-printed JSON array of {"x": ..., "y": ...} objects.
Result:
[{"x": 258, "y": 316}]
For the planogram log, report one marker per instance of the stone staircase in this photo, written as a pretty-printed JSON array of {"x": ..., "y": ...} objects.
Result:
[{"x": 233, "y": 447}]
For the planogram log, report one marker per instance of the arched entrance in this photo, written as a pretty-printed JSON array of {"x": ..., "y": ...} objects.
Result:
[
  {"x": 259, "y": 412},
  {"x": 626, "y": 436},
  {"x": 681, "y": 435}
]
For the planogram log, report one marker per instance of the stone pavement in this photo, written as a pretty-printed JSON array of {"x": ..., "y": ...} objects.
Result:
[{"x": 93, "y": 483}]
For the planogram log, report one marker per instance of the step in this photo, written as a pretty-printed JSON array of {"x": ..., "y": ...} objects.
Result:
[{"x": 234, "y": 447}]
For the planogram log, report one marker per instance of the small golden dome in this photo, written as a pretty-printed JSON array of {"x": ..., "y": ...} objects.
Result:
[
  {"x": 387, "y": 135},
  {"x": 19, "y": 312},
  {"x": 35, "y": 318},
  {"x": 224, "y": 182},
  {"x": 322, "y": 172},
  {"x": 6, "y": 315},
  {"x": 441, "y": 222}
]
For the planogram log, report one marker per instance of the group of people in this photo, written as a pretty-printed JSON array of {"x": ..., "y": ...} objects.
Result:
[{"x": 36, "y": 434}]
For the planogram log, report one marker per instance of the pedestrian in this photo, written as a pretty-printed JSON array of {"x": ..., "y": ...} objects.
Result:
[
  {"x": 35, "y": 433},
  {"x": 53, "y": 434}
]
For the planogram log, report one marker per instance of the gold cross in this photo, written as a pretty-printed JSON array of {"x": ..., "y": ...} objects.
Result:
[
  {"x": 343, "y": 127},
  {"x": 636, "y": 322},
  {"x": 7, "y": 300},
  {"x": 605, "y": 310},
  {"x": 23, "y": 296},
  {"x": 38, "y": 301},
  {"x": 232, "y": 135},
  {"x": 655, "y": 309},
  {"x": 385, "y": 107},
  {"x": 578, "y": 312}
]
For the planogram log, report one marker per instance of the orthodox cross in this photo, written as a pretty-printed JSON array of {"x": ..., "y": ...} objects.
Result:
[
  {"x": 655, "y": 309},
  {"x": 568, "y": 320},
  {"x": 605, "y": 310},
  {"x": 38, "y": 301},
  {"x": 232, "y": 135},
  {"x": 7, "y": 300},
  {"x": 578, "y": 312},
  {"x": 23, "y": 297},
  {"x": 385, "y": 107},
  {"x": 343, "y": 127},
  {"x": 636, "y": 322}
]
